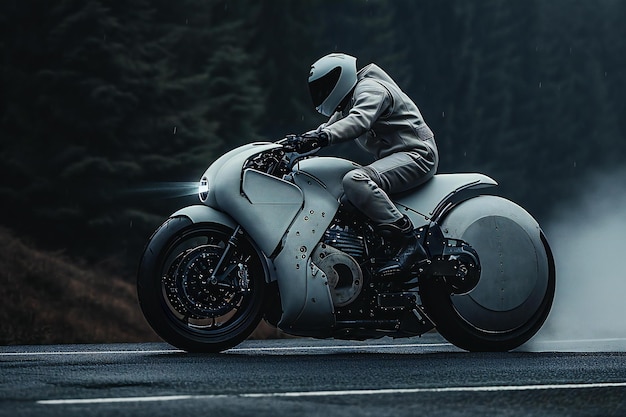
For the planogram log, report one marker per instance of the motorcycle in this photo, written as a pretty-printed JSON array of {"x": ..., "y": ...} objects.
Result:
[{"x": 272, "y": 240}]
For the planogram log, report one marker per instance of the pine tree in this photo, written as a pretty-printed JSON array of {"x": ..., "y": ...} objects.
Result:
[
  {"x": 285, "y": 41},
  {"x": 106, "y": 100}
]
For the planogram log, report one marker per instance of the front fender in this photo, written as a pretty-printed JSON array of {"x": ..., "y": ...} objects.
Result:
[{"x": 205, "y": 214}]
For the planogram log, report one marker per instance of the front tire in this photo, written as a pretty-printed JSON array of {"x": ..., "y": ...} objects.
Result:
[
  {"x": 517, "y": 284},
  {"x": 179, "y": 300}
]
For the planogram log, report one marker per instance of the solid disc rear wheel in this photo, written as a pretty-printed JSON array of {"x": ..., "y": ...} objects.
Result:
[
  {"x": 517, "y": 284},
  {"x": 188, "y": 301}
]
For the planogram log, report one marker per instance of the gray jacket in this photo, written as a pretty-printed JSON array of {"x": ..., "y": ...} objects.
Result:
[{"x": 382, "y": 118}]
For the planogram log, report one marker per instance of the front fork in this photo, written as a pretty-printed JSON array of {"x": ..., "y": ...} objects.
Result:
[{"x": 217, "y": 277}]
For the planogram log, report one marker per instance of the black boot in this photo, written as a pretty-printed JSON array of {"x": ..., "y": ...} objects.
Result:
[{"x": 411, "y": 251}]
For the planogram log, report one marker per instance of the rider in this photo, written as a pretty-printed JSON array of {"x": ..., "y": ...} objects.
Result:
[{"x": 370, "y": 107}]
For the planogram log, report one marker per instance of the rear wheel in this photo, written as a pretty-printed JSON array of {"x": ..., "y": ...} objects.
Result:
[
  {"x": 187, "y": 301},
  {"x": 517, "y": 283}
]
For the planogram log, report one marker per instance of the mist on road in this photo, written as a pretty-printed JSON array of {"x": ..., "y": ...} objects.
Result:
[{"x": 587, "y": 238}]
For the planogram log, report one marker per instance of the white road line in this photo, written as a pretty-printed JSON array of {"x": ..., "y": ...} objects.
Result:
[
  {"x": 234, "y": 350},
  {"x": 283, "y": 348},
  {"x": 349, "y": 347},
  {"x": 118, "y": 400},
  {"x": 89, "y": 352},
  {"x": 338, "y": 393}
]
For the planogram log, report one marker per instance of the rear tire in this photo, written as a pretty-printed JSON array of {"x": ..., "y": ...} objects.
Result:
[
  {"x": 516, "y": 289},
  {"x": 179, "y": 301}
]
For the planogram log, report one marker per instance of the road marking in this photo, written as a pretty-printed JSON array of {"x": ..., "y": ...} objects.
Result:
[
  {"x": 233, "y": 350},
  {"x": 119, "y": 400},
  {"x": 349, "y": 347},
  {"x": 89, "y": 352},
  {"x": 338, "y": 393},
  {"x": 284, "y": 348}
]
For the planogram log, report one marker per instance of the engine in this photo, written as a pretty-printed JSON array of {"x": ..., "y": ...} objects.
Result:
[
  {"x": 346, "y": 240},
  {"x": 338, "y": 257}
]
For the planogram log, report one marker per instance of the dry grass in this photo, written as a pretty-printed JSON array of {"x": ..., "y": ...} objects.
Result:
[{"x": 46, "y": 299}]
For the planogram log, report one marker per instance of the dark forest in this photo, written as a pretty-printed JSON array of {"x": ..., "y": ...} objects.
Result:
[{"x": 110, "y": 109}]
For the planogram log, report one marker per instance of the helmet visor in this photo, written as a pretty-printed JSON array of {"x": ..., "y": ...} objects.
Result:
[{"x": 321, "y": 88}]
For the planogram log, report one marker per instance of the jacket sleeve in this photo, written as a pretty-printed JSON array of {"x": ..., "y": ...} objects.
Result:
[{"x": 370, "y": 102}]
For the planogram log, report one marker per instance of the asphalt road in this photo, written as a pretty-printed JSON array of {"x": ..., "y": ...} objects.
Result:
[{"x": 411, "y": 377}]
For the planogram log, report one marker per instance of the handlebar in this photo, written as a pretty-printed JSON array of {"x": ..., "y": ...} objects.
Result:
[
  {"x": 293, "y": 156},
  {"x": 288, "y": 143}
]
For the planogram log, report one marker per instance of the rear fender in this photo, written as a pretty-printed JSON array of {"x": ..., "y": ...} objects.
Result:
[{"x": 433, "y": 199}]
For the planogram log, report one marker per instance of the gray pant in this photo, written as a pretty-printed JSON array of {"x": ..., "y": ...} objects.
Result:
[{"x": 368, "y": 187}]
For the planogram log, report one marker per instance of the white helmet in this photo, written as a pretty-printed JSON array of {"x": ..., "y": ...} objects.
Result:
[{"x": 330, "y": 80}]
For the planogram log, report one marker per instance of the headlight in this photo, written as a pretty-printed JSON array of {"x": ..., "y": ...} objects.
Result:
[{"x": 203, "y": 189}]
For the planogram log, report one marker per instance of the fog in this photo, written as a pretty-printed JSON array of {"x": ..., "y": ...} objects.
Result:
[{"x": 587, "y": 237}]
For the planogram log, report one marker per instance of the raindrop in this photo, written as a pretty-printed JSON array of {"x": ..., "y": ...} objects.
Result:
[{"x": 174, "y": 129}]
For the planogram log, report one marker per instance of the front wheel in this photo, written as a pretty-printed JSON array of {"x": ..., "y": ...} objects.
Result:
[
  {"x": 517, "y": 282},
  {"x": 186, "y": 300}
]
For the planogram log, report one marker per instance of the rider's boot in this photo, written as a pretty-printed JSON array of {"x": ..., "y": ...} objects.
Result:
[{"x": 410, "y": 253}]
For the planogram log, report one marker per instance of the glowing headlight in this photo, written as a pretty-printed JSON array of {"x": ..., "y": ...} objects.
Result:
[{"x": 203, "y": 189}]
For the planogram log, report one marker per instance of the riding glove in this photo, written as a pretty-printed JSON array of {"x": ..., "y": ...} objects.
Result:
[{"x": 310, "y": 141}]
